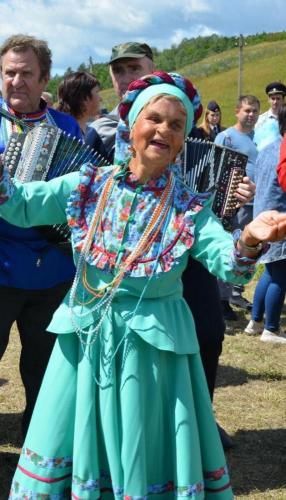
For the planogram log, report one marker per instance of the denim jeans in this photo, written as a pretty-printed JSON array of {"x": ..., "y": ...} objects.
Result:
[{"x": 270, "y": 294}]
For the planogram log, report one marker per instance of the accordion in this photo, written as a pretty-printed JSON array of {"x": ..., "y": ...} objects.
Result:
[
  {"x": 208, "y": 167},
  {"x": 45, "y": 152}
]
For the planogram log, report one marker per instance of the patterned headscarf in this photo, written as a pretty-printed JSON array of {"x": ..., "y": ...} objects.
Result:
[{"x": 141, "y": 91}]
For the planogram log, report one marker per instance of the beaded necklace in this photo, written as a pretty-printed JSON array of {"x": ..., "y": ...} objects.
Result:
[{"x": 106, "y": 293}]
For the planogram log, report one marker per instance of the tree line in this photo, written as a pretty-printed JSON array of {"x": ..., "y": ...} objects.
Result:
[{"x": 190, "y": 50}]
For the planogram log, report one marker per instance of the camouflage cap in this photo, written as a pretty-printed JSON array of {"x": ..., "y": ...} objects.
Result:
[{"x": 133, "y": 50}]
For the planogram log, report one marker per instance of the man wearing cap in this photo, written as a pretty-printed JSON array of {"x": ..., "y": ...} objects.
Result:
[
  {"x": 129, "y": 61},
  {"x": 266, "y": 129}
]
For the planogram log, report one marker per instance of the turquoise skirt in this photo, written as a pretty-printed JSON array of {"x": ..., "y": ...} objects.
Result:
[{"x": 132, "y": 424}]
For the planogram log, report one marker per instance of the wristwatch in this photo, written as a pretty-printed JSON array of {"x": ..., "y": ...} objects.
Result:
[{"x": 255, "y": 249}]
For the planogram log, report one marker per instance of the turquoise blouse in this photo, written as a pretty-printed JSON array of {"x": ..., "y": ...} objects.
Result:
[{"x": 149, "y": 298}]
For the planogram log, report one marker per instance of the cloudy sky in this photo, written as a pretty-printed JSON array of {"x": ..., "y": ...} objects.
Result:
[{"x": 78, "y": 29}]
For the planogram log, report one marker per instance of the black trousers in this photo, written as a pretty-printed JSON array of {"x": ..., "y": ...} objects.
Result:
[
  {"x": 32, "y": 310},
  {"x": 202, "y": 296}
]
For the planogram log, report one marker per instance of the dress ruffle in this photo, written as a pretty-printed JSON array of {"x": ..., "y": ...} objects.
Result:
[{"x": 178, "y": 238}]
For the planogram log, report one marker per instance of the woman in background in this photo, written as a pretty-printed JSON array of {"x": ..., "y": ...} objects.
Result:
[
  {"x": 211, "y": 125},
  {"x": 78, "y": 95}
]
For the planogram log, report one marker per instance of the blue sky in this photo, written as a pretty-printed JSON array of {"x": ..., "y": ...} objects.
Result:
[{"x": 78, "y": 29}]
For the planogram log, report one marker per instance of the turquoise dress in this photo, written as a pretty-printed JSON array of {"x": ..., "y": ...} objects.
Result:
[{"x": 124, "y": 409}]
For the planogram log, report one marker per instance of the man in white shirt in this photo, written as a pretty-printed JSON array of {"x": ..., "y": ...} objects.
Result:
[{"x": 266, "y": 129}]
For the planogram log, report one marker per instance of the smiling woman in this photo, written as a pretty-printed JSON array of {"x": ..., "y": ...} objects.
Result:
[
  {"x": 157, "y": 137},
  {"x": 124, "y": 405},
  {"x": 159, "y": 119}
]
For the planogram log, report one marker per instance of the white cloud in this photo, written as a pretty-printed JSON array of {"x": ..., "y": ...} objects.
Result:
[
  {"x": 77, "y": 29},
  {"x": 198, "y": 6},
  {"x": 200, "y": 30},
  {"x": 73, "y": 28}
]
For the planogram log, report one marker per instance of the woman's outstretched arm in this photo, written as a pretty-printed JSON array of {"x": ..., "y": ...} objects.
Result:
[{"x": 35, "y": 203}]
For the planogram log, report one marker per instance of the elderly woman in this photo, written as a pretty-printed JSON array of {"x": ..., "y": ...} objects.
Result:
[{"x": 124, "y": 407}]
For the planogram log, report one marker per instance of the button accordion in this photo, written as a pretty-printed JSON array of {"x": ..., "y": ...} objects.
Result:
[
  {"x": 208, "y": 167},
  {"x": 42, "y": 153}
]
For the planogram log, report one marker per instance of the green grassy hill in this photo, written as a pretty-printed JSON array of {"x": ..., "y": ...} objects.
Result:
[{"x": 216, "y": 76}]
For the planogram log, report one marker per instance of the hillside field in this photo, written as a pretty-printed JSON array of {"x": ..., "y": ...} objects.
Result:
[{"x": 216, "y": 77}]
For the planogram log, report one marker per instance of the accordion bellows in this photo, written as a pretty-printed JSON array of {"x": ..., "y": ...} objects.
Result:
[
  {"x": 45, "y": 152},
  {"x": 209, "y": 167}
]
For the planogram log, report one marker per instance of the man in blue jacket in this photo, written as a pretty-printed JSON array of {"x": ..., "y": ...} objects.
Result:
[{"x": 35, "y": 273}]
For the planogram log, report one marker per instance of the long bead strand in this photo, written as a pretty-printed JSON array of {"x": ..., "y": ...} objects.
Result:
[{"x": 106, "y": 293}]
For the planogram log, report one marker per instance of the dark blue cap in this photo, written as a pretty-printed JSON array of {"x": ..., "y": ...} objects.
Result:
[{"x": 213, "y": 106}]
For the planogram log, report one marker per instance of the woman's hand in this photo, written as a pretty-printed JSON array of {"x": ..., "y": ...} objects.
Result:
[
  {"x": 245, "y": 192},
  {"x": 267, "y": 226}
]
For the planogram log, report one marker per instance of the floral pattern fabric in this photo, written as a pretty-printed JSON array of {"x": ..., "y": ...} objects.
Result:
[
  {"x": 128, "y": 210},
  {"x": 46, "y": 462},
  {"x": 104, "y": 482}
]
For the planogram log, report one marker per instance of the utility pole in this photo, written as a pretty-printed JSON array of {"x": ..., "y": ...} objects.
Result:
[
  {"x": 90, "y": 64},
  {"x": 241, "y": 44}
]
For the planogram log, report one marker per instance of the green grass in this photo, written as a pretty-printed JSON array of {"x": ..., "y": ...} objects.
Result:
[{"x": 250, "y": 402}]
